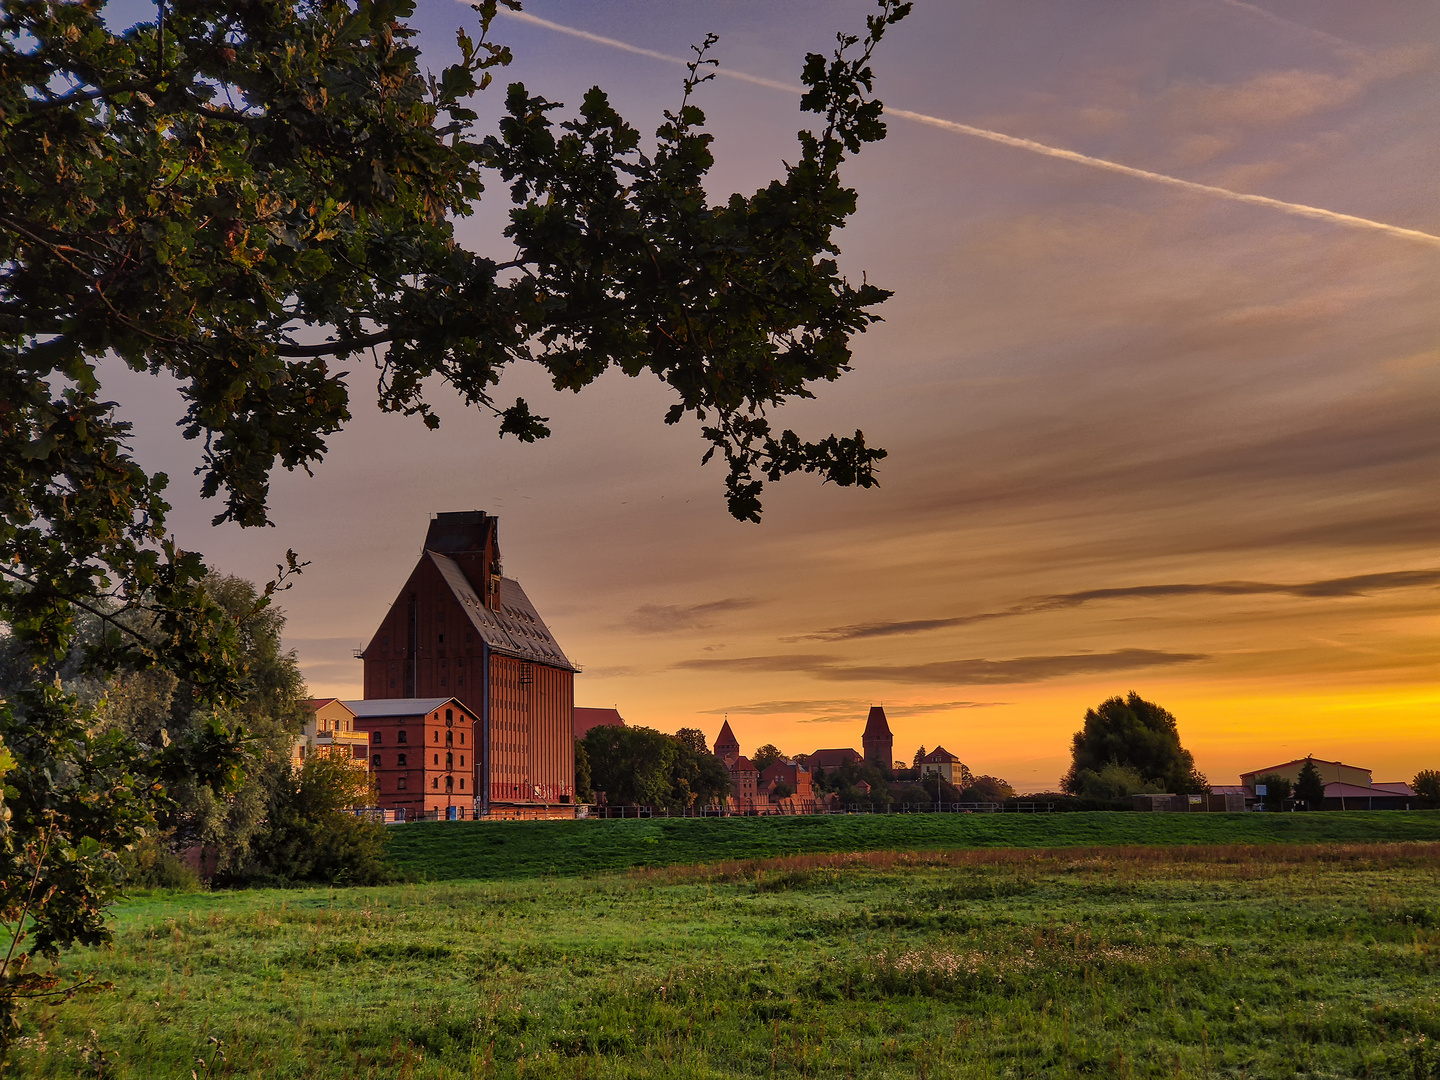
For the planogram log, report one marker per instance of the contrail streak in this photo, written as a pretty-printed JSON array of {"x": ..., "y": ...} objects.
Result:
[
  {"x": 1309, "y": 31},
  {"x": 1316, "y": 213}
]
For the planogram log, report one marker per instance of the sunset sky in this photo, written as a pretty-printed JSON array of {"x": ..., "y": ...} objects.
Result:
[{"x": 1142, "y": 436}]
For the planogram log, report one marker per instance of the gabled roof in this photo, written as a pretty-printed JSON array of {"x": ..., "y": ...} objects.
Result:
[
  {"x": 831, "y": 759},
  {"x": 585, "y": 719},
  {"x": 1394, "y": 787},
  {"x": 315, "y": 704},
  {"x": 939, "y": 756},
  {"x": 742, "y": 764},
  {"x": 1355, "y": 791},
  {"x": 397, "y": 706},
  {"x": 516, "y": 629}
]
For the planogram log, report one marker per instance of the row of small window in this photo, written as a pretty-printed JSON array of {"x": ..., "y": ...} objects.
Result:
[
  {"x": 402, "y": 737},
  {"x": 400, "y": 784},
  {"x": 401, "y": 763}
]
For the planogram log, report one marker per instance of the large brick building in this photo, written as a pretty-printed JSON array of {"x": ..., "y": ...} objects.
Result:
[{"x": 460, "y": 629}]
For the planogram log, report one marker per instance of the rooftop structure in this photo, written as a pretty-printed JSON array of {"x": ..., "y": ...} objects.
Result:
[{"x": 459, "y": 628}]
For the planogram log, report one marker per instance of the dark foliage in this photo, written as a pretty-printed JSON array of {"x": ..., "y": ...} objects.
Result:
[
  {"x": 1136, "y": 734},
  {"x": 641, "y": 766},
  {"x": 1427, "y": 786},
  {"x": 1277, "y": 790},
  {"x": 1309, "y": 787},
  {"x": 308, "y": 836}
]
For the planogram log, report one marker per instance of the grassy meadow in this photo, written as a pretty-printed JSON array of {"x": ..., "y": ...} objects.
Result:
[
  {"x": 1226, "y": 960},
  {"x": 450, "y": 851}
]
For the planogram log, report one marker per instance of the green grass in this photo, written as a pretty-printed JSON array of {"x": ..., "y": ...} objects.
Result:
[
  {"x": 1286, "y": 960},
  {"x": 452, "y": 851}
]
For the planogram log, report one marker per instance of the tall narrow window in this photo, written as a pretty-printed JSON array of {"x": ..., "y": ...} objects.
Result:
[
  {"x": 400, "y": 762},
  {"x": 449, "y": 761},
  {"x": 375, "y": 761},
  {"x": 404, "y": 736},
  {"x": 400, "y": 783},
  {"x": 437, "y": 759},
  {"x": 377, "y": 738}
]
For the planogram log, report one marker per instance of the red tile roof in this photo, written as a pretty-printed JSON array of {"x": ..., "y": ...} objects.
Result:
[
  {"x": 585, "y": 719},
  {"x": 939, "y": 756},
  {"x": 876, "y": 725},
  {"x": 832, "y": 759}
]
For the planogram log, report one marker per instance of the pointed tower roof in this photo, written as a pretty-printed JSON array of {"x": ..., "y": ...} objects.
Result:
[
  {"x": 876, "y": 726},
  {"x": 726, "y": 736}
]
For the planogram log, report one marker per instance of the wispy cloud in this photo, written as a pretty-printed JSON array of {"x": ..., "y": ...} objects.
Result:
[
  {"x": 846, "y": 710},
  {"x": 975, "y": 672},
  {"x": 665, "y": 618},
  {"x": 1356, "y": 585},
  {"x": 1029, "y": 145}
]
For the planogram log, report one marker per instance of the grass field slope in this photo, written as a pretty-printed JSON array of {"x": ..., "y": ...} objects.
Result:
[
  {"x": 1273, "y": 960},
  {"x": 488, "y": 851}
]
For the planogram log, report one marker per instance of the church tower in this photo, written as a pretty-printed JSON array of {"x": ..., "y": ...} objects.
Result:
[
  {"x": 877, "y": 742},
  {"x": 727, "y": 747}
]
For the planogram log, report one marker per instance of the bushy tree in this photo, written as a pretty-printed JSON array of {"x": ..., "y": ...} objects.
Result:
[
  {"x": 1427, "y": 786},
  {"x": 1114, "y": 781},
  {"x": 699, "y": 778},
  {"x": 1136, "y": 734},
  {"x": 1277, "y": 790},
  {"x": 1309, "y": 787},
  {"x": 766, "y": 756},
  {"x": 584, "y": 789},
  {"x": 308, "y": 836},
  {"x": 693, "y": 738},
  {"x": 989, "y": 789}
]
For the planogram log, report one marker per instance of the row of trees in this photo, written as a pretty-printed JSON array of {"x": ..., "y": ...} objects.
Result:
[{"x": 642, "y": 766}]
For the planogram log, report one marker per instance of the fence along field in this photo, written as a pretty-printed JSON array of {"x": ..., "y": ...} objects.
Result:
[{"x": 1222, "y": 960}]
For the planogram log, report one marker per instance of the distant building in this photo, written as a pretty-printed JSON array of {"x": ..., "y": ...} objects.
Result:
[
  {"x": 727, "y": 747},
  {"x": 832, "y": 759},
  {"x": 330, "y": 730},
  {"x": 585, "y": 719},
  {"x": 876, "y": 741},
  {"x": 460, "y": 629},
  {"x": 795, "y": 777},
  {"x": 940, "y": 762},
  {"x": 1347, "y": 787},
  {"x": 422, "y": 753},
  {"x": 1331, "y": 772},
  {"x": 744, "y": 783}
]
